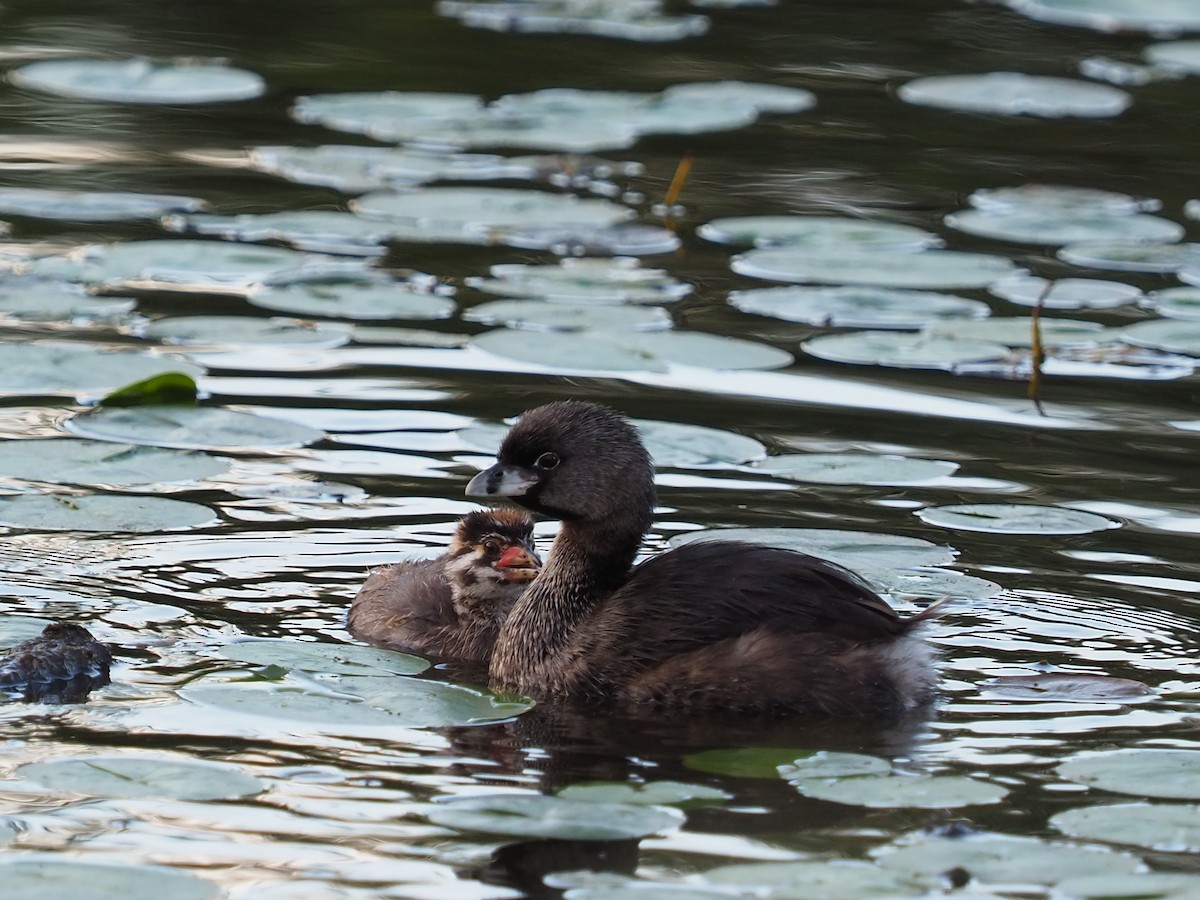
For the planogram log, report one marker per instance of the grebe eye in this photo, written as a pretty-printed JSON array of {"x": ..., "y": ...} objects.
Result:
[
  {"x": 491, "y": 548},
  {"x": 547, "y": 461}
]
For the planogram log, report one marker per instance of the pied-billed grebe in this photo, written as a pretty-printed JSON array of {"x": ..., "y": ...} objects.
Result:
[
  {"x": 717, "y": 624},
  {"x": 451, "y": 606},
  {"x": 60, "y": 665}
]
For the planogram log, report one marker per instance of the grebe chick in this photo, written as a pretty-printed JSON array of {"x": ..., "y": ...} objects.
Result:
[
  {"x": 717, "y": 624},
  {"x": 451, "y": 606},
  {"x": 60, "y": 665}
]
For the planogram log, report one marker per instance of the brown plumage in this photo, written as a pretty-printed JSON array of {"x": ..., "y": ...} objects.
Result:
[
  {"x": 451, "y": 606},
  {"x": 62, "y": 653},
  {"x": 711, "y": 624}
]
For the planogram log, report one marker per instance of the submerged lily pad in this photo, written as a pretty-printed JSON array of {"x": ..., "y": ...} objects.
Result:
[
  {"x": 1174, "y": 827},
  {"x": 235, "y": 331},
  {"x": 101, "y": 513},
  {"x": 1141, "y": 771},
  {"x": 856, "y": 307},
  {"x": 667, "y": 793},
  {"x": 40, "y": 876},
  {"x": 142, "y": 776},
  {"x": 932, "y": 269},
  {"x": 1073, "y": 686},
  {"x": 584, "y": 280},
  {"x": 69, "y": 368},
  {"x": 816, "y": 880},
  {"x": 191, "y": 428},
  {"x": 91, "y": 206},
  {"x": 1055, "y": 228},
  {"x": 1016, "y": 94},
  {"x": 856, "y": 468},
  {"x": 852, "y": 549},
  {"x": 1171, "y": 335},
  {"x": 139, "y": 81},
  {"x": 1153, "y": 16},
  {"x": 901, "y": 791},
  {"x": 76, "y": 461},
  {"x": 817, "y": 231},
  {"x": 1065, "y": 293},
  {"x": 1017, "y": 331},
  {"x": 1015, "y": 518},
  {"x": 900, "y": 350},
  {"x": 537, "y": 815},
  {"x": 330, "y": 659},
  {"x": 356, "y": 299}
]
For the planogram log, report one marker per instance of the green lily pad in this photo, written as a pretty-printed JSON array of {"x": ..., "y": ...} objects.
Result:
[
  {"x": 168, "y": 389},
  {"x": 1130, "y": 256},
  {"x": 584, "y": 280},
  {"x": 902, "y": 791},
  {"x": 931, "y": 269},
  {"x": 538, "y": 315},
  {"x": 142, "y": 776},
  {"x": 816, "y": 879},
  {"x": 71, "y": 368},
  {"x": 350, "y": 299},
  {"x": 621, "y": 20},
  {"x": 235, "y": 331},
  {"x": 1176, "y": 302},
  {"x": 1017, "y": 331},
  {"x": 934, "y": 584},
  {"x": 817, "y": 231},
  {"x": 856, "y": 468},
  {"x": 856, "y": 307},
  {"x": 1175, "y": 56},
  {"x": 77, "y": 461},
  {"x": 139, "y": 81},
  {"x": 1143, "y": 886},
  {"x": 537, "y": 815},
  {"x": 746, "y": 762},
  {"x": 1153, "y": 16},
  {"x": 902, "y": 350},
  {"x": 1142, "y": 772},
  {"x": 1171, "y": 335},
  {"x": 360, "y": 113},
  {"x": 91, "y": 206},
  {"x": 319, "y": 230},
  {"x": 1173, "y": 828},
  {"x": 329, "y": 659},
  {"x": 1066, "y": 293},
  {"x": 852, "y": 549},
  {"x": 1068, "y": 686},
  {"x": 34, "y": 300},
  {"x": 1056, "y": 228},
  {"x": 666, "y": 793},
  {"x": 766, "y": 98},
  {"x": 191, "y": 428},
  {"x": 827, "y": 764},
  {"x": 1016, "y": 94},
  {"x": 1060, "y": 199},
  {"x": 115, "y": 513},
  {"x": 1015, "y": 518},
  {"x": 49, "y": 876},
  {"x": 686, "y": 112}
]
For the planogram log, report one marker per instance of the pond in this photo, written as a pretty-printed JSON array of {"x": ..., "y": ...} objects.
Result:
[{"x": 908, "y": 286}]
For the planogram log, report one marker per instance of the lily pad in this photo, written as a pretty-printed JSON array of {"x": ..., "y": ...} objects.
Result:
[
  {"x": 1017, "y": 331},
  {"x": 116, "y": 513},
  {"x": 852, "y": 549},
  {"x": 1065, "y": 293},
  {"x": 590, "y": 240},
  {"x": 931, "y": 583},
  {"x": 139, "y": 81},
  {"x": 1143, "y": 886},
  {"x": 329, "y": 659},
  {"x": 584, "y": 280},
  {"x": 1176, "y": 302},
  {"x": 1060, "y": 199},
  {"x": 1068, "y": 686},
  {"x": 1175, "y": 56},
  {"x": 360, "y": 113},
  {"x": 816, "y": 880},
  {"x": 1016, "y": 94},
  {"x": 666, "y": 793},
  {"x": 91, "y": 206},
  {"x": 191, "y": 428},
  {"x": 817, "y": 231},
  {"x": 856, "y": 468},
  {"x": 319, "y": 230},
  {"x": 1056, "y": 229},
  {"x": 142, "y": 776},
  {"x": 236, "y": 331},
  {"x": 627, "y": 20},
  {"x": 168, "y": 389},
  {"x": 631, "y": 350},
  {"x": 828, "y": 764},
  {"x": 14, "y": 629},
  {"x": 904, "y": 351},
  {"x": 766, "y": 98},
  {"x": 355, "y": 299},
  {"x": 537, "y": 815},
  {"x": 39, "y": 876},
  {"x": 71, "y": 368},
  {"x": 538, "y": 315},
  {"x": 857, "y": 307},
  {"x": 1174, "y": 827},
  {"x": 34, "y": 300},
  {"x": 997, "y": 859},
  {"x": 1141, "y": 771},
  {"x": 1015, "y": 518},
  {"x": 902, "y": 791},
  {"x": 76, "y": 461},
  {"x": 1128, "y": 256},
  {"x": 1171, "y": 335},
  {"x": 1153, "y": 16},
  {"x": 932, "y": 269},
  {"x": 746, "y": 762}
]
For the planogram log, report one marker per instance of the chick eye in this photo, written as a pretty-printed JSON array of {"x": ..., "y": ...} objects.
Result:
[
  {"x": 547, "y": 461},
  {"x": 491, "y": 548}
]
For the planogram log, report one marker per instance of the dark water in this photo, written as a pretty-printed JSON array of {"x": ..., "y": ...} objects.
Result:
[{"x": 342, "y": 815}]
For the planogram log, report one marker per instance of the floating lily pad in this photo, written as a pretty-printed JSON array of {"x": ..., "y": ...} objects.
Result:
[
  {"x": 766, "y": 98},
  {"x": 856, "y": 307},
  {"x": 1153, "y": 16},
  {"x": 627, "y": 20},
  {"x": 856, "y": 468},
  {"x": 584, "y": 280},
  {"x": 538, "y": 315},
  {"x": 32, "y": 300},
  {"x": 1142, "y": 772},
  {"x": 745, "y": 762},
  {"x": 75, "y": 461},
  {"x": 411, "y": 337},
  {"x": 319, "y": 230},
  {"x": 590, "y": 240},
  {"x": 361, "y": 112},
  {"x": 118, "y": 513},
  {"x": 353, "y": 299},
  {"x": 631, "y": 350},
  {"x": 996, "y": 859},
  {"x": 852, "y": 549},
  {"x": 191, "y": 428},
  {"x": 932, "y": 269},
  {"x": 139, "y": 81},
  {"x": 816, "y": 879},
  {"x": 1017, "y": 331},
  {"x": 1174, "y": 827},
  {"x": 235, "y": 331},
  {"x": 1144, "y": 886},
  {"x": 91, "y": 206},
  {"x": 63, "y": 368},
  {"x": 645, "y": 113},
  {"x": 666, "y": 793},
  {"x": 902, "y": 791},
  {"x": 537, "y": 815},
  {"x": 1171, "y": 335},
  {"x": 1060, "y": 199},
  {"x": 51, "y": 875},
  {"x": 1132, "y": 256},
  {"x": 1055, "y": 228},
  {"x": 828, "y": 764},
  {"x": 142, "y": 776},
  {"x": 329, "y": 659},
  {"x": 1015, "y": 518},
  {"x": 817, "y": 231},
  {"x": 357, "y": 169},
  {"x": 1016, "y": 94},
  {"x": 1076, "y": 686},
  {"x": 1175, "y": 56},
  {"x": 931, "y": 583},
  {"x": 1065, "y": 293},
  {"x": 1176, "y": 302},
  {"x": 900, "y": 350}
]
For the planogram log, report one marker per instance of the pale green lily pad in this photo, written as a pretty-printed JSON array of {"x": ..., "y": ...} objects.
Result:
[
  {"x": 1066, "y": 293},
  {"x": 91, "y": 206},
  {"x": 1141, "y": 771},
  {"x": 76, "y": 461},
  {"x": 319, "y": 230},
  {"x": 1173, "y": 827},
  {"x": 932, "y": 269},
  {"x": 358, "y": 169},
  {"x": 1060, "y": 199},
  {"x": 237, "y": 331},
  {"x": 857, "y": 468},
  {"x": 33, "y": 300},
  {"x": 328, "y": 659},
  {"x": 857, "y": 307},
  {"x": 584, "y": 280},
  {"x": 1017, "y": 331},
  {"x": 139, "y": 81},
  {"x": 1144, "y": 886},
  {"x": 902, "y": 791},
  {"x": 852, "y": 549},
  {"x": 71, "y": 368},
  {"x": 645, "y": 113},
  {"x": 411, "y": 337},
  {"x": 1068, "y": 686},
  {"x": 1016, "y": 94},
  {"x": 1153, "y": 16},
  {"x": 746, "y": 762},
  {"x": 117, "y": 513},
  {"x": 817, "y": 231},
  {"x": 1015, "y": 518},
  {"x": 1056, "y": 228},
  {"x": 539, "y": 315},
  {"x": 766, "y": 98},
  {"x": 566, "y": 132},
  {"x": 817, "y": 880},
  {"x": 191, "y": 428},
  {"x": 666, "y": 793},
  {"x": 359, "y": 113},
  {"x": 629, "y": 240},
  {"x": 631, "y": 350},
  {"x": 52, "y": 876},
  {"x": 355, "y": 299},
  {"x": 1171, "y": 335},
  {"x": 902, "y": 350},
  {"x": 537, "y": 815},
  {"x": 1000, "y": 859},
  {"x": 827, "y": 764},
  {"x": 1125, "y": 256},
  {"x": 142, "y": 776},
  {"x": 1176, "y": 302},
  {"x": 628, "y": 20},
  {"x": 1175, "y": 56},
  {"x": 930, "y": 583}
]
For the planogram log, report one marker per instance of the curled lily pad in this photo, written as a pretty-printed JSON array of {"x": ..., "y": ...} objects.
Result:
[
  {"x": 71, "y": 368},
  {"x": 1060, "y": 686},
  {"x": 356, "y": 299},
  {"x": 817, "y": 231},
  {"x": 91, "y": 206},
  {"x": 856, "y": 307},
  {"x": 44, "y": 875},
  {"x": 1015, "y": 518},
  {"x": 1018, "y": 331},
  {"x": 906, "y": 351},
  {"x": 1065, "y": 293},
  {"x": 1141, "y": 771},
  {"x": 997, "y": 859},
  {"x": 537, "y": 815},
  {"x": 1126, "y": 256},
  {"x": 142, "y": 776},
  {"x": 191, "y": 428},
  {"x": 1174, "y": 827},
  {"x": 667, "y": 793},
  {"x": 1016, "y": 94},
  {"x": 856, "y": 468},
  {"x": 852, "y": 549},
  {"x": 1154, "y": 16},
  {"x": 933, "y": 269},
  {"x": 139, "y": 81},
  {"x": 1060, "y": 199},
  {"x": 234, "y": 331},
  {"x": 76, "y": 461},
  {"x": 538, "y": 315},
  {"x": 902, "y": 791},
  {"x": 1175, "y": 56},
  {"x": 117, "y": 513},
  {"x": 330, "y": 659},
  {"x": 1171, "y": 335},
  {"x": 816, "y": 879},
  {"x": 1055, "y": 229},
  {"x": 1176, "y": 303},
  {"x": 584, "y": 280}
]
